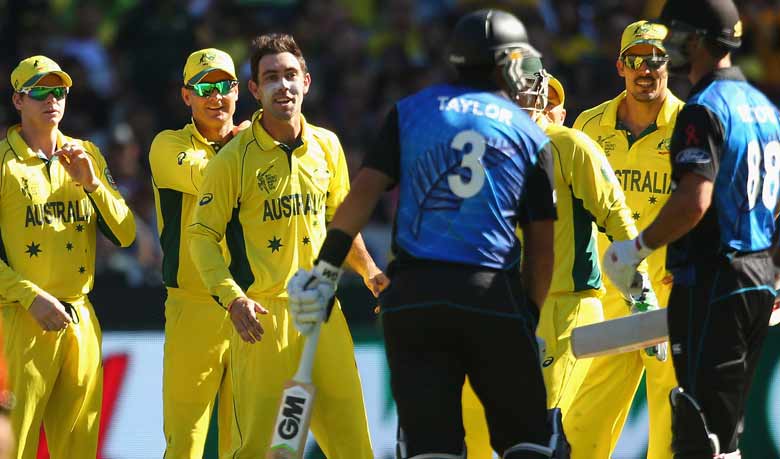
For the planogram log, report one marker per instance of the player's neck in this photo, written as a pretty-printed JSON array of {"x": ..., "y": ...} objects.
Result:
[
  {"x": 284, "y": 131},
  {"x": 703, "y": 67},
  {"x": 637, "y": 116},
  {"x": 219, "y": 134},
  {"x": 40, "y": 138}
]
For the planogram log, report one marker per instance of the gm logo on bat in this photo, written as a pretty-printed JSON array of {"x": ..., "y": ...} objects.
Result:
[{"x": 293, "y": 409}]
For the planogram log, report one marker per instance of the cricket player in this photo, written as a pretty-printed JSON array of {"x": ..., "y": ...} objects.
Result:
[
  {"x": 471, "y": 166},
  {"x": 55, "y": 193},
  {"x": 718, "y": 222},
  {"x": 634, "y": 130},
  {"x": 587, "y": 193},
  {"x": 196, "y": 363},
  {"x": 270, "y": 193}
]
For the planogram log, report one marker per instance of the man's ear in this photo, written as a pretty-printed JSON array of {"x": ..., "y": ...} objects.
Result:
[
  {"x": 306, "y": 82},
  {"x": 16, "y": 98},
  {"x": 621, "y": 70},
  {"x": 254, "y": 88},
  {"x": 185, "y": 96}
]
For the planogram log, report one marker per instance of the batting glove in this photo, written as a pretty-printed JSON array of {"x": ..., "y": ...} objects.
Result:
[
  {"x": 311, "y": 295},
  {"x": 620, "y": 262},
  {"x": 645, "y": 301}
]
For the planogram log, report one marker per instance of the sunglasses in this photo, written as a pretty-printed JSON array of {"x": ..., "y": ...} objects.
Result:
[
  {"x": 206, "y": 89},
  {"x": 41, "y": 93},
  {"x": 653, "y": 61}
]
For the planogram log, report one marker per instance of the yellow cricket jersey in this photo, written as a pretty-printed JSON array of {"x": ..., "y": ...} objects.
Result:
[
  {"x": 271, "y": 202},
  {"x": 587, "y": 192},
  {"x": 48, "y": 222},
  {"x": 641, "y": 165},
  {"x": 178, "y": 160}
]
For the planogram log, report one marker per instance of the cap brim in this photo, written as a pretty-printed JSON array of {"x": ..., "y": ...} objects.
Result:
[
  {"x": 199, "y": 76},
  {"x": 37, "y": 77},
  {"x": 657, "y": 43}
]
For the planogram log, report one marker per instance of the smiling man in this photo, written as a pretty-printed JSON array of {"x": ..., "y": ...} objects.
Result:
[
  {"x": 634, "y": 130},
  {"x": 270, "y": 194},
  {"x": 197, "y": 329}
]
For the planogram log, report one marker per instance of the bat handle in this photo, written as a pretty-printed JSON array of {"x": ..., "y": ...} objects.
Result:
[{"x": 307, "y": 357}]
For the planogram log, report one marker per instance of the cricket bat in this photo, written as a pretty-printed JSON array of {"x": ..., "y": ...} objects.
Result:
[
  {"x": 625, "y": 334},
  {"x": 291, "y": 427}
]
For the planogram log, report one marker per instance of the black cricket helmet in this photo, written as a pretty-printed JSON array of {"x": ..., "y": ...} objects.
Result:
[{"x": 485, "y": 37}]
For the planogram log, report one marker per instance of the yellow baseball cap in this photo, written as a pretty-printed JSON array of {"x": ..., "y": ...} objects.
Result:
[
  {"x": 555, "y": 84},
  {"x": 641, "y": 32},
  {"x": 30, "y": 71},
  {"x": 207, "y": 60}
]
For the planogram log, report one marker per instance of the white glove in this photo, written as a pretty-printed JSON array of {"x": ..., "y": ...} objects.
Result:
[
  {"x": 620, "y": 262},
  {"x": 645, "y": 301},
  {"x": 311, "y": 295}
]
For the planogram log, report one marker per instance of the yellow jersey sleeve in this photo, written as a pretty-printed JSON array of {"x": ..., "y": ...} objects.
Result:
[
  {"x": 217, "y": 204},
  {"x": 16, "y": 288},
  {"x": 338, "y": 188},
  {"x": 597, "y": 186},
  {"x": 114, "y": 218},
  {"x": 176, "y": 164}
]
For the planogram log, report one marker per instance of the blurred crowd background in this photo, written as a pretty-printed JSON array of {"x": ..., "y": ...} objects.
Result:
[{"x": 126, "y": 59}]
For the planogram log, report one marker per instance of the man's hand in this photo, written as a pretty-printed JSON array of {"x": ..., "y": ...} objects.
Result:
[
  {"x": 376, "y": 281},
  {"x": 79, "y": 166},
  {"x": 311, "y": 295},
  {"x": 644, "y": 301},
  {"x": 49, "y": 312},
  {"x": 620, "y": 262},
  {"x": 243, "y": 313}
]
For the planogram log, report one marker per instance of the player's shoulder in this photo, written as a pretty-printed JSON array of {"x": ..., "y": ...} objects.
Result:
[
  {"x": 572, "y": 142},
  {"x": 6, "y": 151},
  {"x": 326, "y": 138},
  {"x": 591, "y": 118},
  {"x": 170, "y": 139},
  {"x": 320, "y": 133}
]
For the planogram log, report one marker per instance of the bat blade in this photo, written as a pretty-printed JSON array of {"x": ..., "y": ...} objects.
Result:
[
  {"x": 625, "y": 334},
  {"x": 292, "y": 422}
]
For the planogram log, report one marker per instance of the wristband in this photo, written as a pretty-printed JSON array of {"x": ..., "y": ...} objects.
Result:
[{"x": 335, "y": 248}]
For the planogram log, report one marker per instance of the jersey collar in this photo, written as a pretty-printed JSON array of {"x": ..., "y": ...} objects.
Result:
[
  {"x": 727, "y": 73},
  {"x": 665, "y": 115},
  {"x": 265, "y": 140},
  {"x": 196, "y": 133},
  {"x": 20, "y": 147}
]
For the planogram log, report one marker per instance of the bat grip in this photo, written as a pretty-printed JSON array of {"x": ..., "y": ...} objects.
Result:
[{"x": 307, "y": 356}]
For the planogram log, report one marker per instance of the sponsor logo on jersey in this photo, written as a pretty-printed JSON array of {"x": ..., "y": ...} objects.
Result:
[
  {"x": 266, "y": 181},
  {"x": 206, "y": 199},
  {"x": 26, "y": 188},
  {"x": 663, "y": 146},
  {"x": 644, "y": 181},
  {"x": 608, "y": 147},
  {"x": 57, "y": 211},
  {"x": 692, "y": 156},
  {"x": 291, "y": 205},
  {"x": 181, "y": 157},
  {"x": 109, "y": 178}
]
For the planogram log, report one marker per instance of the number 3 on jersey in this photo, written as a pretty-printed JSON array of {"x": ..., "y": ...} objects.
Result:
[
  {"x": 471, "y": 162},
  {"x": 771, "y": 179}
]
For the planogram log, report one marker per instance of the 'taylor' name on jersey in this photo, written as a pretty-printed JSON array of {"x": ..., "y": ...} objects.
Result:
[
  {"x": 65, "y": 212},
  {"x": 465, "y": 105},
  {"x": 293, "y": 204}
]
